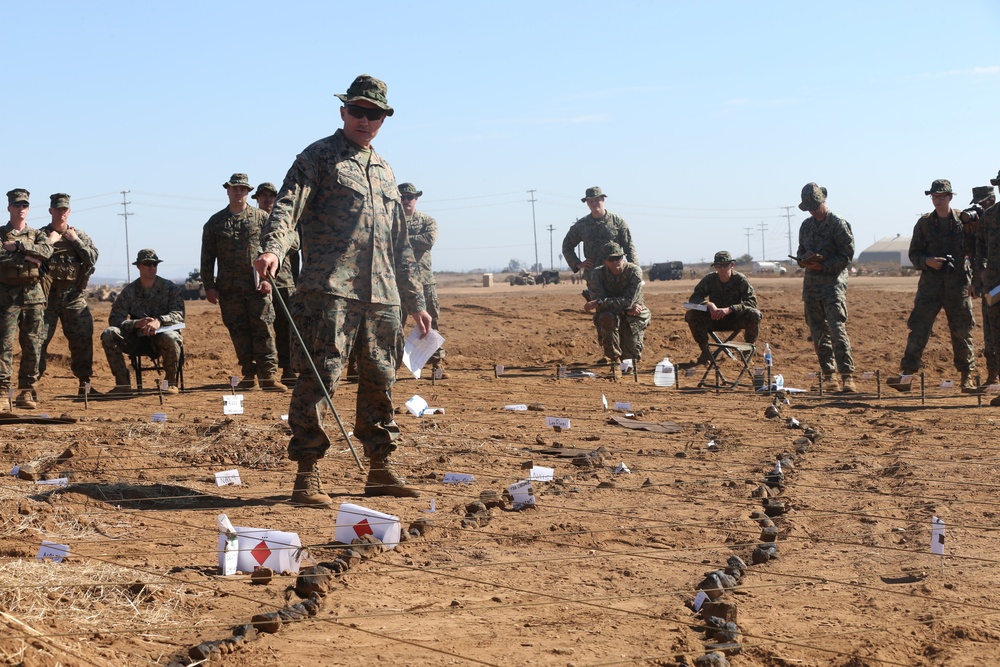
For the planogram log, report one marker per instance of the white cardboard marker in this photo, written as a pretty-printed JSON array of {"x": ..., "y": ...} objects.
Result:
[
  {"x": 260, "y": 547},
  {"x": 52, "y": 551},
  {"x": 516, "y": 407},
  {"x": 230, "y": 548},
  {"x": 699, "y": 599},
  {"x": 521, "y": 494},
  {"x": 622, "y": 406},
  {"x": 937, "y": 536},
  {"x": 541, "y": 474},
  {"x": 416, "y": 406},
  {"x": 159, "y": 416},
  {"x": 58, "y": 481},
  {"x": 228, "y": 478},
  {"x": 622, "y": 469},
  {"x": 561, "y": 422},
  {"x": 232, "y": 404},
  {"x": 458, "y": 478},
  {"x": 353, "y": 521}
]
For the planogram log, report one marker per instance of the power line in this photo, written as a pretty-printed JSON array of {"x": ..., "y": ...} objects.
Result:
[{"x": 128, "y": 254}]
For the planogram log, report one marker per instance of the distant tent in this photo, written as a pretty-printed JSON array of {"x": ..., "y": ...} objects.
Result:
[{"x": 888, "y": 251}]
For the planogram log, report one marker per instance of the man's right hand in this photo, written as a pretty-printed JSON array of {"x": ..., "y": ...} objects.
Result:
[
  {"x": 212, "y": 296},
  {"x": 585, "y": 265}
]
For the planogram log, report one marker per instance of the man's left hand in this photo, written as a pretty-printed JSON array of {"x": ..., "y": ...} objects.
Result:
[
  {"x": 423, "y": 321},
  {"x": 264, "y": 287}
]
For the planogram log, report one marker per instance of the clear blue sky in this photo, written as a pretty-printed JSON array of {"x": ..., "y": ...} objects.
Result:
[{"x": 699, "y": 120}]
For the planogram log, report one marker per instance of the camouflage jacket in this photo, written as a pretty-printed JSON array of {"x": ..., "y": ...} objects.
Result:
[
  {"x": 289, "y": 268},
  {"x": 831, "y": 237},
  {"x": 72, "y": 262},
  {"x": 986, "y": 264},
  {"x": 15, "y": 272},
  {"x": 737, "y": 294},
  {"x": 163, "y": 300},
  {"x": 232, "y": 240},
  {"x": 594, "y": 233},
  {"x": 616, "y": 293},
  {"x": 353, "y": 232},
  {"x": 938, "y": 237},
  {"x": 423, "y": 231}
]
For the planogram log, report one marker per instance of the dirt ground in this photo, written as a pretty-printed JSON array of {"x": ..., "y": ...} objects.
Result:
[{"x": 601, "y": 571}]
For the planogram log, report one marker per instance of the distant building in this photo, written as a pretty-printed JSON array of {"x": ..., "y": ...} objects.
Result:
[{"x": 887, "y": 252}]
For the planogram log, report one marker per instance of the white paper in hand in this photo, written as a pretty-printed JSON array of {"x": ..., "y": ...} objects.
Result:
[{"x": 417, "y": 351}]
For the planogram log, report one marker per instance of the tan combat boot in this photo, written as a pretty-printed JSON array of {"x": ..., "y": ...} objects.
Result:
[
  {"x": 307, "y": 489},
  {"x": 968, "y": 386},
  {"x": 26, "y": 400},
  {"x": 829, "y": 383},
  {"x": 847, "y": 384},
  {"x": 248, "y": 382},
  {"x": 269, "y": 383},
  {"x": 383, "y": 481}
]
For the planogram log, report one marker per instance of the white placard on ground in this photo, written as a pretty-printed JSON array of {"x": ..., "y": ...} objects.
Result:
[
  {"x": 58, "y": 481},
  {"x": 457, "y": 478},
  {"x": 159, "y": 416},
  {"x": 353, "y": 521},
  {"x": 232, "y": 404},
  {"x": 619, "y": 405},
  {"x": 521, "y": 493},
  {"x": 416, "y": 406},
  {"x": 542, "y": 474},
  {"x": 561, "y": 422},
  {"x": 260, "y": 547},
  {"x": 699, "y": 599},
  {"x": 52, "y": 551},
  {"x": 937, "y": 536},
  {"x": 516, "y": 407},
  {"x": 228, "y": 478}
]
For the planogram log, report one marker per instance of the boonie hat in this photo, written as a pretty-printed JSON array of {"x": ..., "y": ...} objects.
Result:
[
  {"x": 146, "y": 255},
  {"x": 264, "y": 186},
  {"x": 592, "y": 193},
  {"x": 59, "y": 200},
  {"x": 940, "y": 185},
  {"x": 410, "y": 189},
  {"x": 996, "y": 181},
  {"x": 981, "y": 192},
  {"x": 367, "y": 87},
  {"x": 17, "y": 195},
  {"x": 238, "y": 179},
  {"x": 812, "y": 196},
  {"x": 612, "y": 249},
  {"x": 722, "y": 257}
]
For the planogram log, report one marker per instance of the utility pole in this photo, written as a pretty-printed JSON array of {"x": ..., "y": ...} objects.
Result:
[
  {"x": 749, "y": 231},
  {"x": 126, "y": 214},
  {"x": 763, "y": 252},
  {"x": 788, "y": 214},
  {"x": 552, "y": 262},
  {"x": 534, "y": 230}
]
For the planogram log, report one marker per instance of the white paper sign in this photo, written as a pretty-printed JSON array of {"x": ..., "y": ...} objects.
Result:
[
  {"x": 626, "y": 366},
  {"x": 353, "y": 521},
  {"x": 699, "y": 599},
  {"x": 231, "y": 548},
  {"x": 622, "y": 469},
  {"x": 417, "y": 351},
  {"x": 164, "y": 385},
  {"x": 498, "y": 370},
  {"x": 622, "y": 406},
  {"x": 458, "y": 478},
  {"x": 233, "y": 381},
  {"x": 937, "y": 536},
  {"x": 541, "y": 474},
  {"x": 777, "y": 468},
  {"x": 561, "y": 422},
  {"x": 232, "y": 404},
  {"x": 604, "y": 400},
  {"x": 58, "y": 481},
  {"x": 867, "y": 375},
  {"x": 416, "y": 406},
  {"x": 228, "y": 478},
  {"x": 260, "y": 547},
  {"x": 947, "y": 384},
  {"x": 516, "y": 407},
  {"x": 159, "y": 416},
  {"x": 52, "y": 551},
  {"x": 520, "y": 492}
]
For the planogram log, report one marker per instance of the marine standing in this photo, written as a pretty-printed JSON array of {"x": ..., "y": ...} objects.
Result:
[
  {"x": 826, "y": 248},
  {"x": 22, "y": 300},
  {"x": 938, "y": 249},
  {"x": 356, "y": 269},
  {"x": 983, "y": 198},
  {"x": 423, "y": 231},
  {"x": 595, "y": 231},
  {"x": 231, "y": 238},
  {"x": 65, "y": 284}
]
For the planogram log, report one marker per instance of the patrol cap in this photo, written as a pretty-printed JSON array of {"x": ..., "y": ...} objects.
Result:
[
  {"x": 722, "y": 257},
  {"x": 591, "y": 193},
  {"x": 410, "y": 189},
  {"x": 18, "y": 195},
  {"x": 612, "y": 249},
  {"x": 238, "y": 179},
  {"x": 59, "y": 200},
  {"x": 981, "y": 192},
  {"x": 262, "y": 187},
  {"x": 146, "y": 255},
  {"x": 367, "y": 87},
  {"x": 996, "y": 181},
  {"x": 942, "y": 185},
  {"x": 812, "y": 196}
]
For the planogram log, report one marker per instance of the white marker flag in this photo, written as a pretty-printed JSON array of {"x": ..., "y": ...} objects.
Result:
[{"x": 937, "y": 536}]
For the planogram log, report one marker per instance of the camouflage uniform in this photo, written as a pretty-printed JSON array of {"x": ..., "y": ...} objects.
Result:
[
  {"x": 65, "y": 287},
  {"x": 233, "y": 240},
  {"x": 737, "y": 294},
  {"x": 620, "y": 335},
  {"x": 986, "y": 272},
  {"x": 594, "y": 234},
  {"x": 356, "y": 267},
  {"x": 284, "y": 284},
  {"x": 164, "y": 301},
  {"x": 947, "y": 288},
  {"x": 824, "y": 292},
  {"x": 22, "y": 303},
  {"x": 423, "y": 230}
]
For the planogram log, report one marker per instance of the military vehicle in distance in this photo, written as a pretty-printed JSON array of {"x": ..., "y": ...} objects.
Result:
[
  {"x": 547, "y": 277},
  {"x": 666, "y": 271}
]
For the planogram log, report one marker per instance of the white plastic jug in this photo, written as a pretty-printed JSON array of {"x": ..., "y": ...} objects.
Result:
[{"x": 664, "y": 374}]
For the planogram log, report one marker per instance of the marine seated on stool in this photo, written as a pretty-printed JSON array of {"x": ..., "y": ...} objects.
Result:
[{"x": 730, "y": 302}]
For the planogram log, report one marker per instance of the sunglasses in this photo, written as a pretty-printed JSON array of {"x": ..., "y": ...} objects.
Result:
[
  {"x": 408, "y": 197},
  {"x": 148, "y": 263},
  {"x": 364, "y": 112},
  {"x": 20, "y": 204}
]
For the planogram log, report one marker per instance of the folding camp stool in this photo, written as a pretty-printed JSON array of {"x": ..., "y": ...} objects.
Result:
[
  {"x": 146, "y": 351},
  {"x": 742, "y": 353}
]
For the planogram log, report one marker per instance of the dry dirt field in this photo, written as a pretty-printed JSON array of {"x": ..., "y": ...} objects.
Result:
[{"x": 600, "y": 572}]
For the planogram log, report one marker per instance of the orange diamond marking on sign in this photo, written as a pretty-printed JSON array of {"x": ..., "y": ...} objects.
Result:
[
  {"x": 362, "y": 528},
  {"x": 261, "y": 552}
]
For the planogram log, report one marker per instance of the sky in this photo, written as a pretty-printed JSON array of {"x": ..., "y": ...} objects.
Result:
[{"x": 700, "y": 121}]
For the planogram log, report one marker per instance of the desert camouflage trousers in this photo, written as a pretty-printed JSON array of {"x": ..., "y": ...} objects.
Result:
[
  {"x": 622, "y": 336},
  {"x": 826, "y": 317},
  {"x": 25, "y": 322},
  {"x": 164, "y": 346},
  {"x": 69, "y": 306},
  {"x": 282, "y": 330},
  {"x": 332, "y": 327},
  {"x": 935, "y": 292},
  {"x": 248, "y": 315}
]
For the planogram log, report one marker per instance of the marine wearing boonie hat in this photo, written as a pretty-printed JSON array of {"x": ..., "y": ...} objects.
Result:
[
  {"x": 410, "y": 189},
  {"x": 612, "y": 249},
  {"x": 722, "y": 258},
  {"x": 265, "y": 186},
  {"x": 940, "y": 186},
  {"x": 812, "y": 196},
  {"x": 238, "y": 179},
  {"x": 996, "y": 181},
  {"x": 367, "y": 87},
  {"x": 981, "y": 192},
  {"x": 593, "y": 193},
  {"x": 146, "y": 255},
  {"x": 59, "y": 200},
  {"x": 18, "y": 195}
]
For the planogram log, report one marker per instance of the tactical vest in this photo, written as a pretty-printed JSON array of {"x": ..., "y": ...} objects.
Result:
[
  {"x": 64, "y": 266},
  {"x": 14, "y": 274}
]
